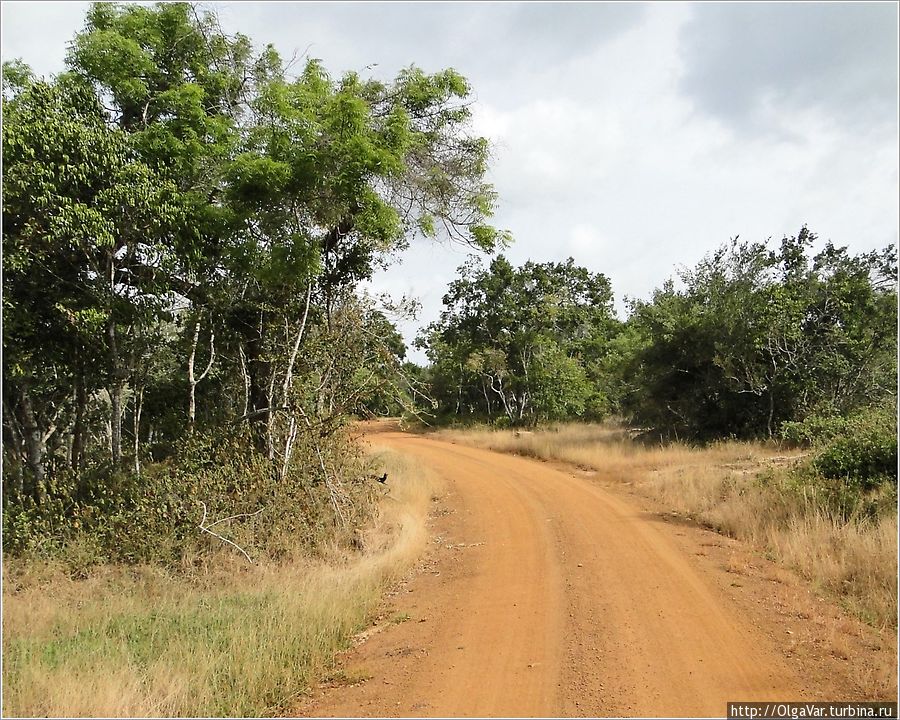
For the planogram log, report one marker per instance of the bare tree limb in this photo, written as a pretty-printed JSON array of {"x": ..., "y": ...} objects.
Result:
[
  {"x": 206, "y": 528},
  {"x": 288, "y": 376}
]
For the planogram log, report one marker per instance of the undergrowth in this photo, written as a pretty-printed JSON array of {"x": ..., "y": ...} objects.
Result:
[{"x": 216, "y": 637}]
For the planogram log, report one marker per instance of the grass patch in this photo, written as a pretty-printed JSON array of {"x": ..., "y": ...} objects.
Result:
[
  {"x": 747, "y": 490},
  {"x": 225, "y": 639}
]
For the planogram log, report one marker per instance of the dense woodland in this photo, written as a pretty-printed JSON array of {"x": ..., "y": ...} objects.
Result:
[
  {"x": 751, "y": 338},
  {"x": 185, "y": 227},
  {"x": 187, "y": 222}
]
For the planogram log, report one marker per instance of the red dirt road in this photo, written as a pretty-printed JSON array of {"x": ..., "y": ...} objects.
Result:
[{"x": 549, "y": 595}]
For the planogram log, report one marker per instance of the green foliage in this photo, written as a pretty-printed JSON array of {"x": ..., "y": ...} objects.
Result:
[
  {"x": 757, "y": 338},
  {"x": 185, "y": 229},
  {"x": 526, "y": 343},
  {"x": 853, "y": 465},
  {"x": 155, "y": 517},
  {"x": 560, "y": 384},
  {"x": 80, "y": 214},
  {"x": 814, "y": 429},
  {"x": 864, "y": 451}
]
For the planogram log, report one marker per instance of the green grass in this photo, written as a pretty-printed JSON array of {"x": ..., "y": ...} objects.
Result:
[{"x": 234, "y": 640}]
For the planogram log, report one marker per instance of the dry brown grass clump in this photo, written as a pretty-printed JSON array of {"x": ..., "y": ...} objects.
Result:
[{"x": 229, "y": 639}]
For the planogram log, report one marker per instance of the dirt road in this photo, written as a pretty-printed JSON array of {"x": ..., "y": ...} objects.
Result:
[{"x": 551, "y": 596}]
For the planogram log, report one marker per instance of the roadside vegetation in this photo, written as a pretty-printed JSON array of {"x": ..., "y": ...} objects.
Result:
[
  {"x": 185, "y": 228},
  {"x": 751, "y": 339},
  {"x": 756, "y": 352},
  {"x": 224, "y": 638},
  {"x": 187, "y": 220}
]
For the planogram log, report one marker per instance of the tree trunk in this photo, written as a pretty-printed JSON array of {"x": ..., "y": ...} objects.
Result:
[
  {"x": 78, "y": 430},
  {"x": 138, "y": 405},
  {"x": 246, "y": 376},
  {"x": 270, "y": 421},
  {"x": 258, "y": 373},
  {"x": 487, "y": 397},
  {"x": 17, "y": 472},
  {"x": 288, "y": 447},
  {"x": 289, "y": 372},
  {"x": 499, "y": 390},
  {"x": 192, "y": 383},
  {"x": 34, "y": 446},
  {"x": 522, "y": 401},
  {"x": 116, "y": 394},
  {"x": 69, "y": 444},
  {"x": 192, "y": 380}
]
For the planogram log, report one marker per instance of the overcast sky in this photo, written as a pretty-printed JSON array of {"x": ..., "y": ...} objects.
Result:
[{"x": 634, "y": 137}]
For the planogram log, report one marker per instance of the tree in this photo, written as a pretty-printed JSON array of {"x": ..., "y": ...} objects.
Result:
[
  {"x": 79, "y": 212},
  {"x": 521, "y": 341},
  {"x": 758, "y": 337},
  {"x": 336, "y": 176},
  {"x": 185, "y": 229}
]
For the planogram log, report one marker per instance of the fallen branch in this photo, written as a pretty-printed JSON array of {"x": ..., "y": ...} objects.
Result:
[{"x": 206, "y": 528}]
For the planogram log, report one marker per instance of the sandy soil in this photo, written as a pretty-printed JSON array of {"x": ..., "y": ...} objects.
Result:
[{"x": 545, "y": 593}]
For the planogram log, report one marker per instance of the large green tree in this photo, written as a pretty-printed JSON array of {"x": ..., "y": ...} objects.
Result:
[
  {"x": 758, "y": 336},
  {"x": 335, "y": 177},
  {"x": 80, "y": 212},
  {"x": 299, "y": 185},
  {"x": 522, "y": 342},
  {"x": 186, "y": 225}
]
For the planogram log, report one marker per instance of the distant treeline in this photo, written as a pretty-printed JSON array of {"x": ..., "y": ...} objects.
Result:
[{"x": 753, "y": 342}]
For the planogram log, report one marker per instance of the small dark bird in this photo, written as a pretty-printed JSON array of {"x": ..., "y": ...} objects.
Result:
[{"x": 382, "y": 479}]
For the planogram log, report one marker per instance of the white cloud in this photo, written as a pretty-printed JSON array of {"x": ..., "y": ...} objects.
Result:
[
  {"x": 583, "y": 239},
  {"x": 609, "y": 145},
  {"x": 836, "y": 60}
]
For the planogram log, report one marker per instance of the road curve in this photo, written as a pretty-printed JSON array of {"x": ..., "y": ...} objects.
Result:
[{"x": 569, "y": 602}]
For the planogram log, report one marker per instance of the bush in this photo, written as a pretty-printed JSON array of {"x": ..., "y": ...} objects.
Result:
[
  {"x": 865, "y": 452},
  {"x": 813, "y": 430},
  {"x": 841, "y": 497},
  {"x": 853, "y": 468},
  {"x": 155, "y": 517},
  {"x": 860, "y": 449}
]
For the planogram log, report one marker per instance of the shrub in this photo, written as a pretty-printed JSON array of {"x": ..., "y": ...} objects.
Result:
[
  {"x": 155, "y": 516},
  {"x": 813, "y": 430},
  {"x": 860, "y": 449},
  {"x": 865, "y": 452}
]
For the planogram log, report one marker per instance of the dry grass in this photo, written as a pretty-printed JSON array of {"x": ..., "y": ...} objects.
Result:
[
  {"x": 740, "y": 489},
  {"x": 855, "y": 561},
  {"x": 605, "y": 448},
  {"x": 228, "y": 640}
]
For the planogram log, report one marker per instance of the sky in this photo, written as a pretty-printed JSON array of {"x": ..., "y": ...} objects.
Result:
[{"x": 633, "y": 137}]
